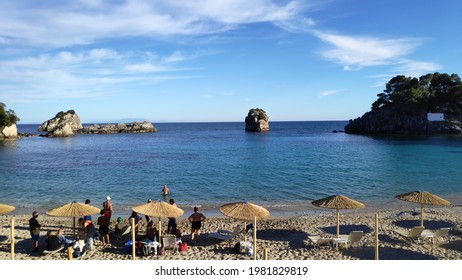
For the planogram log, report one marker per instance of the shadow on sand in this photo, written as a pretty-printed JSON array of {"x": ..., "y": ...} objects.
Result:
[
  {"x": 368, "y": 253},
  {"x": 346, "y": 229},
  {"x": 295, "y": 237},
  {"x": 432, "y": 225}
]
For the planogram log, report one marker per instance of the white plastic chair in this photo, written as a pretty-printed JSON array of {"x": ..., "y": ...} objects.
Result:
[{"x": 224, "y": 234}]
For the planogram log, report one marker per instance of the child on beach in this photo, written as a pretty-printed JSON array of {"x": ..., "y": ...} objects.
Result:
[{"x": 34, "y": 228}]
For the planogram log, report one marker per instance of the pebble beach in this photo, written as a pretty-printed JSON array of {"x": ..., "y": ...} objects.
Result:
[{"x": 284, "y": 238}]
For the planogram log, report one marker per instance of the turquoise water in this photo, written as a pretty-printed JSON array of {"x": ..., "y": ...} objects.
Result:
[{"x": 209, "y": 164}]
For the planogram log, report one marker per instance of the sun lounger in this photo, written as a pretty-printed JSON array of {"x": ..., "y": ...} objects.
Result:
[
  {"x": 124, "y": 233},
  {"x": 224, "y": 234},
  {"x": 436, "y": 237},
  {"x": 354, "y": 238},
  {"x": 414, "y": 235},
  {"x": 54, "y": 252},
  {"x": 317, "y": 241}
]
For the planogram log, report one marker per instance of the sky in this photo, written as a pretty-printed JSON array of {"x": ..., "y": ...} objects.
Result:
[{"x": 214, "y": 60}]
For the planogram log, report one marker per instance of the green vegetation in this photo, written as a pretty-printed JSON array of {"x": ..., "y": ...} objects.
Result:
[
  {"x": 260, "y": 113},
  {"x": 61, "y": 114},
  {"x": 436, "y": 93},
  {"x": 7, "y": 118}
]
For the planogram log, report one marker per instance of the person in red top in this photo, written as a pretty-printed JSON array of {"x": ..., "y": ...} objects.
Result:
[{"x": 103, "y": 221}]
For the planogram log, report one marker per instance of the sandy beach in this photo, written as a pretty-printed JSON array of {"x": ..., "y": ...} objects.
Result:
[{"x": 285, "y": 238}]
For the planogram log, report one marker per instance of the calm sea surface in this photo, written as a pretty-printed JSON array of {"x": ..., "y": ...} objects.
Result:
[{"x": 210, "y": 164}]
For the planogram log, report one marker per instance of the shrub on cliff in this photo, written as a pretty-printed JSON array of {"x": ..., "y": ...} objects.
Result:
[
  {"x": 259, "y": 113},
  {"x": 7, "y": 118}
]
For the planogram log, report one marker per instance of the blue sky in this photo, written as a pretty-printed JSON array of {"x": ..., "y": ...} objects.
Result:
[{"x": 200, "y": 61}]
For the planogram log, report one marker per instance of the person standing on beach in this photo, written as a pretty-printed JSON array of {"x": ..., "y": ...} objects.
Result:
[
  {"x": 88, "y": 217},
  {"x": 103, "y": 222},
  {"x": 34, "y": 227},
  {"x": 165, "y": 192},
  {"x": 171, "y": 226},
  {"x": 107, "y": 206},
  {"x": 196, "y": 219}
]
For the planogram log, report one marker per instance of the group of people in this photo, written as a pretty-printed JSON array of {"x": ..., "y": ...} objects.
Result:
[{"x": 88, "y": 230}]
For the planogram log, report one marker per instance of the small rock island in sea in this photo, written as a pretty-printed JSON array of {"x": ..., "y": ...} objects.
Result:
[
  {"x": 66, "y": 124},
  {"x": 256, "y": 121},
  {"x": 8, "y": 121},
  {"x": 431, "y": 104}
]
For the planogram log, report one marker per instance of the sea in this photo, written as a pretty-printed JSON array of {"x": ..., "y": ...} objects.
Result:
[{"x": 210, "y": 164}]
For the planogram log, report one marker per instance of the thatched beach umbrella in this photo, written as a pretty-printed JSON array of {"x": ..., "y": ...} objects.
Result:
[
  {"x": 338, "y": 202},
  {"x": 159, "y": 209},
  {"x": 6, "y": 209},
  {"x": 246, "y": 211},
  {"x": 422, "y": 198},
  {"x": 73, "y": 209}
]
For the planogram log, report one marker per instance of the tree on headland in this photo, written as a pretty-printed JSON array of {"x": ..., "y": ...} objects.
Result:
[
  {"x": 8, "y": 117},
  {"x": 438, "y": 93},
  {"x": 403, "y": 106}
]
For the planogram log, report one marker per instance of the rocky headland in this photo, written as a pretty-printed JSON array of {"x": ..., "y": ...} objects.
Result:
[
  {"x": 256, "y": 121},
  {"x": 409, "y": 106}
]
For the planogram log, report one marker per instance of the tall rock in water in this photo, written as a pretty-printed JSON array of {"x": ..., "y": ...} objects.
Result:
[
  {"x": 64, "y": 124},
  {"x": 256, "y": 121}
]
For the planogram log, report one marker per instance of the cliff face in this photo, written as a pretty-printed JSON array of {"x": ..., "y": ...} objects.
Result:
[
  {"x": 256, "y": 121},
  {"x": 9, "y": 131},
  {"x": 393, "y": 122}
]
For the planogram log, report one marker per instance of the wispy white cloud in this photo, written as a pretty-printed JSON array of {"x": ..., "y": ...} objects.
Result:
[
  {"x": 67, "y": 75},
  {"x": 330, "y": 92},
  {"x": 356, "y": 52},
  {"x": 83, "y": 22}
]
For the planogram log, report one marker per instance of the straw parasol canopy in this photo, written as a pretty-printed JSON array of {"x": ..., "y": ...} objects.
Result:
[
  {"x": 73, "y": 209},
  {"x": 422, "y": 198},
  {"x": 158, "y": 209},
  {"x": 244, "y": 211},
  {"x": 338, "y": 202},
  {"x": 6, "y": 209}
]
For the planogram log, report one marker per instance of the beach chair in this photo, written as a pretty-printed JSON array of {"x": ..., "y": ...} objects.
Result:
[
  {"x": 46, "y": 252},
  {"x": 436, "y": 237},
  {"x": 414, "y": 235},
  {"x": 124, "y": 233},
  {"x": 169, "y": 242},
  {"x": 352, "y": 239},
  {"x": 224, "y": 234},
  {"x": 319, "y": 242}
]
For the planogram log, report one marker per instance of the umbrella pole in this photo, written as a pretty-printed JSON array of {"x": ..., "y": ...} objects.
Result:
[
  {"x": 255, "y": 238},
  {"x": 376, "y": 236},
  {"x": 338, "y": 223},
  {"x": 12, "y": 239},
  {"x": 421, "y": 215},
  {"x": 132, "y": 221},
  {"x": 74, "y": 229},
  {"x": 160, "y": 231},
  {"x": 245, "y": 233}
]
